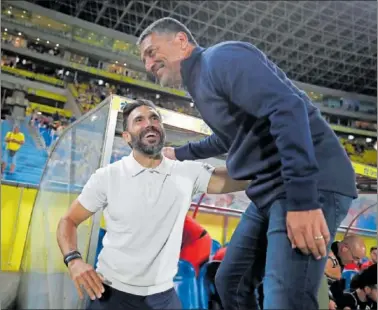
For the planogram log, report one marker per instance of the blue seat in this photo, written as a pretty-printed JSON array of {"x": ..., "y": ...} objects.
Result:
[
  {"x": 185, "y": 283},
  {"x": 101, "y": 235},
  {"x": 206, "y": 287},
  {"x": 348, "y": 276},
  {"x": 364, "y": 260},
  {"x": 203, "y": 288},
  {"x": 215, "y": 246}
]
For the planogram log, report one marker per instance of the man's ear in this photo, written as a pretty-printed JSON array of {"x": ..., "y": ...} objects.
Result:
[{"x": 126, "y": 136}]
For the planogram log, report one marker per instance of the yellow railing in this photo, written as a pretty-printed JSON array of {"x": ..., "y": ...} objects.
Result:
[
  {"x": 31, "y": 75},
  {"x": 47, "y": 109},
  {"x": 47, "y": 94}
]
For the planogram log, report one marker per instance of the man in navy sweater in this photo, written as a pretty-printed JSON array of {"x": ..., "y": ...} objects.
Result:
[{"x": 302, "y": 182}]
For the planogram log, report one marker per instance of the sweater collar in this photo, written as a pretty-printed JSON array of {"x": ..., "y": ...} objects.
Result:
[{"x": 187, "y": 65}]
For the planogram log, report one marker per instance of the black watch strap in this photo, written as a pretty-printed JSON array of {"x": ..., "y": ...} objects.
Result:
[{"x": 71, "y": 256}]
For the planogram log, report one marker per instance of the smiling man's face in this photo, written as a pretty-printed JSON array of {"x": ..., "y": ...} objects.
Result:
[
  {"x": 145, "y": 132},
  {"x": 162, "y": 55}
]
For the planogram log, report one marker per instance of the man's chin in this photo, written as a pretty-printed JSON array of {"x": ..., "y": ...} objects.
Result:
[{"x": 164, "y": 82}]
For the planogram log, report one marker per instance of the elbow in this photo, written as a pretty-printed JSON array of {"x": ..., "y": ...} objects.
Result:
[
  {"x": 67, "y": 221},
  {"x": 65, "y": 226}
]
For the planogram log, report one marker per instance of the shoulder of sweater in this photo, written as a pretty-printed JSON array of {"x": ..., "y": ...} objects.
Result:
[{"x": 226, "y": 47}]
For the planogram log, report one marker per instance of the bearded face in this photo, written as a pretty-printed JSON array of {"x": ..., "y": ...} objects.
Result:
[
  {"x": 145, "y": 132},
  {"x": 149, "y": 141}
]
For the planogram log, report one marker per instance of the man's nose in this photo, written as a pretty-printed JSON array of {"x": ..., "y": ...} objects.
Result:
[{"x": 148, "y": 65}]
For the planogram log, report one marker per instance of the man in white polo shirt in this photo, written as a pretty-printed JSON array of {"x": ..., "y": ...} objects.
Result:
[{"x": 145, "y": 198}]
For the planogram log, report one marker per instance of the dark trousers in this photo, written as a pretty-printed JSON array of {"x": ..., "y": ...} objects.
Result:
[
  {"x": 114, "y": 299},
  {"x": 260, "y": 249}
]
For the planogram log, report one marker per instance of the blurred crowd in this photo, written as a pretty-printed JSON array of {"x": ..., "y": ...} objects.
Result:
[
  {"x": 92, "y": 92},
  {"x": 89, "y": 92}
]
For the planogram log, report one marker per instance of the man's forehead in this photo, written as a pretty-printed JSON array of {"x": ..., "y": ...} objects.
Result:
[
  {"x": 143, "y": 110},
  {"x": 153, "y": 39}
]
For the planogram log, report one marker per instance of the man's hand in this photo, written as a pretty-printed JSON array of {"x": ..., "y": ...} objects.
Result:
[
  {"x": 308, "y": 231},
  {"x": 169, "y": 152},
  {"x": 84, "y": 276}
]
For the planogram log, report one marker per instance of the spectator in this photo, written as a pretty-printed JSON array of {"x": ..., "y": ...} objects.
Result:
[
  {"x": 196, "y": 244},
  {"x": 56, "y": 116},
  {"x": 372, "y": 260},
  {"x": 350, "y": 250},
  {"x": 14, "y": 140},
  {"x": 213, "y": 267},
  {"x": 364, "y": 291}
]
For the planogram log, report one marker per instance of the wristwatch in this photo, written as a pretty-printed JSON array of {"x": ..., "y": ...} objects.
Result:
[{"x": 71, "y": 256}]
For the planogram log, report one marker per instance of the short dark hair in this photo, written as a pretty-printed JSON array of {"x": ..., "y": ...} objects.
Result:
[
  {"x": 373, "y": 248},
  {"x": 130, "y": 107},
  {"x": 367, "y": 277},
  {"x": 166, "y": 25}
]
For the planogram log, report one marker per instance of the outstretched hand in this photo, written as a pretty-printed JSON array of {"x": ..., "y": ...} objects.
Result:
[{"x": 308, "y": 231}]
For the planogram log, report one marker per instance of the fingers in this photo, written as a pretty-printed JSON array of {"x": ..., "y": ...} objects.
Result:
[
  {"x": 290, "y": 236},
  {"x": 311, "y": 237},
  {"x": 300, "y": 241},
  {"x": 325, "y": 232},
  {"x": 91, "y": 286},
  {"x": 79, "y": 292},
  {"x": 91, "y": 282},
  {"x": 315, "y": 244},
  {"x": 321, "y": 235},
  {"x": 98, "y": 283}
]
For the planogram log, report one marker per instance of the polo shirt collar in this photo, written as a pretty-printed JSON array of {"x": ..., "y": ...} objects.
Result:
[{"x": 136, "y": 168}]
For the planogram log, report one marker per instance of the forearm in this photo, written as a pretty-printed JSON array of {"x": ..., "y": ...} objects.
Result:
[
  {"x": 299, "y": 164},
  {"x": 67, "y": 236},
  {"x": 221, "y": 182},
  {"x": 206, "y": 148}
]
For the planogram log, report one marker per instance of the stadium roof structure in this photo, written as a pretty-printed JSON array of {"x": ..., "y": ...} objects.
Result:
[{"x": 326, "y": 43}]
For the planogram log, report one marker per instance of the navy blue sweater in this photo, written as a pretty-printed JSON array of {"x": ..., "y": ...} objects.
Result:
[{"x": 273, "y": 134}]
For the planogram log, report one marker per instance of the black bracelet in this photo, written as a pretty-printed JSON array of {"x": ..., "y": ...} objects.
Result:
[{"x": 71, "y": 256}]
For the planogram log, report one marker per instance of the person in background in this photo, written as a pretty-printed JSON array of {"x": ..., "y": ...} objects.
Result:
[
  {"x": 14, "y": 140},
  {"x": 363, "y": 295},
  {"x": 350, "y": 250},
  {"x": 56, "y": 116},
  {"x": 196, "y": 244},
  {"x": 372, "y": 260},
  {"x": 213, "y": 268},
  {"x": 346, "y": 252}
]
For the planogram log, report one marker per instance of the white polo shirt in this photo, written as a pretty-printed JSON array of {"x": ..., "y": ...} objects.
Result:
[{"x": 144, "y": 210}]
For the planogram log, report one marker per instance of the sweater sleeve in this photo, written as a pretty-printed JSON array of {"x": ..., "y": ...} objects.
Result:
[
  {"x": 244, "y": 76},
  {"x": 209, "y": 147}
]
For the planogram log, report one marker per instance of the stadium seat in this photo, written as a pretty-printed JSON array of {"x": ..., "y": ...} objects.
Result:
[
  {"x": 364, "y": 260},
  {"x": 186, "y": 285},
  {"x": 215, "y": 246},
  {"x": 203, "y": 288},
  {"x": 348, "y": 276}
]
